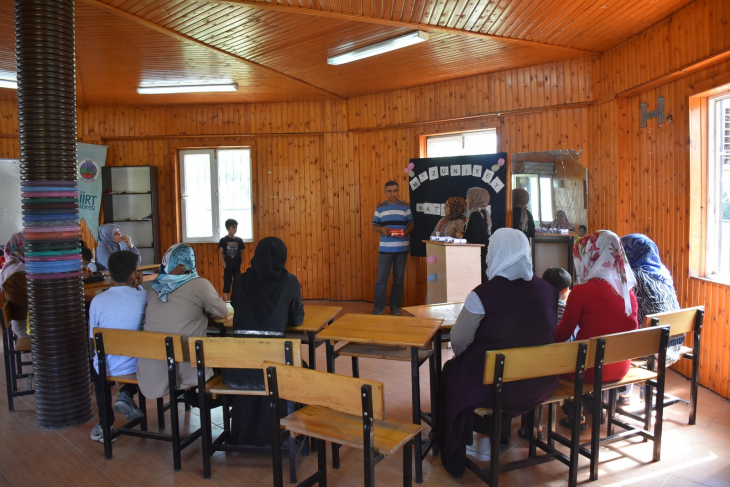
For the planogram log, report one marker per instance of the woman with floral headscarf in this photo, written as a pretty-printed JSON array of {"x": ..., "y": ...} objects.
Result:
[
  {"x": 521, "y": 217},
  {"x": 180, "y": 302},
  {"x": 478, "y": 226},
  {"x": 14, "y": 285},
  {"x": 512, "y": 309},
  {"x": 604, "y": 301},
  {"x": 452, "y": 225}
]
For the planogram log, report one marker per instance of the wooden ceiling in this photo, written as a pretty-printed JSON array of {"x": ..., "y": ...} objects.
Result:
[{"x": 278, "y": 51}]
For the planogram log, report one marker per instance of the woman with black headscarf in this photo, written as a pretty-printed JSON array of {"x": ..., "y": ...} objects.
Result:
[
  {"x": 266, "y": 300},
  {"x": 478, "y": 227}
]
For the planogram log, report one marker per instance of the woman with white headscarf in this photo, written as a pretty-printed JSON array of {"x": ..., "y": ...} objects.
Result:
[
  {"x": 512, "y": 309},
  {"x": 603, "y": 302},
  {"x": 180, "y": 302},
  {"x": 478, "y": 226}
]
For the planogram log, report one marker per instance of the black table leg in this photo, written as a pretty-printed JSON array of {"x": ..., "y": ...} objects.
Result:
[
  {"x": 312, "y": 350},
  {"x": 416, "y": 396},
  {"x": 330, "y": 356}
]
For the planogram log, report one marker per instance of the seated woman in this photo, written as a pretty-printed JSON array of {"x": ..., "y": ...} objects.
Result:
[
  {"x": 603, "y": 302},
  {"x": 521, "y": 217},
  {"x": 513, "y": 296},
  {"x": 111, "y": 240},
  {"x": 179, "y": 302},
  {"x": 478, "y": 227},
  {"x": 266, "y": 299},
  {"x": 654, "y": 290},
  {"x": 13, "y": 284},
  {"x": 561, "y": 221},
  {"x": 452, "y": 225}
]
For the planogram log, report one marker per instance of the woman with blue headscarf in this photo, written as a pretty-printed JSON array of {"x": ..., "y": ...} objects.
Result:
[
  {"x": 111, "y": 240},
  {"x": 180, "y": 302},
  {"x": 654, "y": 289}
]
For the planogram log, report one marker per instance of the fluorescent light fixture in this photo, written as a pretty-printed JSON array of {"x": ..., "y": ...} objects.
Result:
[
  {"x": 379, "y": 48},
  {"x": 9, "y": 83},
  {"x": 199, "y": 88}
]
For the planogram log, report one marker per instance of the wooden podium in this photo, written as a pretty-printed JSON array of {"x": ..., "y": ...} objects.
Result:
[{"x": 457, "y": 270}]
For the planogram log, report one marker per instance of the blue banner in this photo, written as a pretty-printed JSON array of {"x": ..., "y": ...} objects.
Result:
[{"x": 90, "y": 159}]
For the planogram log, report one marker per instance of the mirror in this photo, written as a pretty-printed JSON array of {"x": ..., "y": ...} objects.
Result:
[{"x": 555, "y": 181}]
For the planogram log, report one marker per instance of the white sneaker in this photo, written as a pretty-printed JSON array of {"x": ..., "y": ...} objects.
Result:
[{"x": 97, "y": 434}]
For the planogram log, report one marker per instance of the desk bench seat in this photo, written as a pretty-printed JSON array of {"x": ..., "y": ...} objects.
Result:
[
  {"x": 23, "y": 345},
  {"x": 346, "y": 429}
]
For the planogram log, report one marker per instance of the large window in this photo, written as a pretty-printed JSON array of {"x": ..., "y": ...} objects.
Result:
[
  {"x": 466, "y": 144},
  {"x": 216, "y": 186},
  {"x": 718, "y": 187}
]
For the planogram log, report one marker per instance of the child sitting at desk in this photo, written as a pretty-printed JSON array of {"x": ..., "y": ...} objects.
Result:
[
  {"x": 123, "y": 307},
  {"x": 452, "y": 224}
]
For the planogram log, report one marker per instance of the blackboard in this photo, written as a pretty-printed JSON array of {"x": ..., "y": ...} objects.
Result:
[{"x": 438, "y": 179}]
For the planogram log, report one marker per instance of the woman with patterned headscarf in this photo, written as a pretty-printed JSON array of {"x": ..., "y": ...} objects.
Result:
[
  {"x": 478, "y": 227},
  {"x": 452, "y": 225},
  {"x": 14, "y": 285},
  {"x": 561, "y": 221},
  {"x": 521, "y": 217},
  {"x": 603, "y": 302},
  {"x": 180, "y": 302}
]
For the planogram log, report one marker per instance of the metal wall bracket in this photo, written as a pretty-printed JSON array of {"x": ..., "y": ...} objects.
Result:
[{"x": 658, "y": 113}]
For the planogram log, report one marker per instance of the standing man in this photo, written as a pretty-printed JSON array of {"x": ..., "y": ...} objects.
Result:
[{"x": 393, "y": 221}]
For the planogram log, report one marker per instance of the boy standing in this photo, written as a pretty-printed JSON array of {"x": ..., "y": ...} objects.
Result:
[
  {"x": 229, "y": 251},
  {"x": 121, "y": 307}
]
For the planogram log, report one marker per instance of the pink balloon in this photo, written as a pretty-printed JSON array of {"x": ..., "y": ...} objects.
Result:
[
  {"x": 431, "y": 259},
  {"x": 406, "y": 170},
  {"x": 500, "y": 161},
  {"x": 411, "y": 166}
]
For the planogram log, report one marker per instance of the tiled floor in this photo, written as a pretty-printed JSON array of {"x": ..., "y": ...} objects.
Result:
[{"x": 691, "y": 455}]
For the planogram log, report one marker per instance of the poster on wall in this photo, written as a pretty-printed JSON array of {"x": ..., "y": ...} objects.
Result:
[
  {"x": 437, "y": 179},
  {"x": 90, "y": 159}
]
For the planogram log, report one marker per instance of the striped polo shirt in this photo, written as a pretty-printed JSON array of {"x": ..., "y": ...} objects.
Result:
[{"x": 394, "y": 216}]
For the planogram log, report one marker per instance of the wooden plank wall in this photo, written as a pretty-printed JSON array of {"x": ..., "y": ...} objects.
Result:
[{"x": 642, "y": 174}]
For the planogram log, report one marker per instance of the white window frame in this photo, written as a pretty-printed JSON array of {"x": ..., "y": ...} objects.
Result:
[
  {"x": 461, "y": 135},
  {"x": 714, "y": 190},
  {"x": 216, "y": 223}
]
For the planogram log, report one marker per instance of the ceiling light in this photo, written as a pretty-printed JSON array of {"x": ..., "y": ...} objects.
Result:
[
  {"x": 9, "y": 83},
  {"x": 379, "y": 48},
  {"x": 201, "y": 88}
]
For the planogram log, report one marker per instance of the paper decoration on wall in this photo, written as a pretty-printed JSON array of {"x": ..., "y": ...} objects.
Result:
[
  {"x": 456, "y": 170},
  {"x": 432, "y": 277},
  {"x": 412, "y": 174},
  {"x": 419, "y": 207},
  {"x": 443, "y": 209},
  {"x": 466, "y": 170},
  {"x": 488, "y": 175},
  {"x": 500, "y": 161},
  {"x": 476, "y": 171},
  {"x": 497, "y": 184},
  {"x": 431, "y": 259},
  {"x": 411, "y": 166},
  {"x": 444, "y": 170},
  {"x": 414, "y": 183},
  {"x": 406, "y": 170},
  {"x": 433, "y": 173},
  {"x": 423, "y": 176}
]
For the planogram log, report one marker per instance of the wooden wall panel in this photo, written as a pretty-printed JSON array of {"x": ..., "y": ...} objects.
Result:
[{"x": 689, "y": 36}]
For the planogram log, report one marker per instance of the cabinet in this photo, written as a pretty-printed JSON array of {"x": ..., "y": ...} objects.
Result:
[{"x": 131, "y": 202}]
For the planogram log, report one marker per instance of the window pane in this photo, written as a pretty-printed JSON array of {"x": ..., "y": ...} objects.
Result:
[
  {"x": 529, "y": 182},
  {"x": 444, "y": 146},
  {"x": 234, "y": 190},
  {"x": 480, "y": 142},
  {"x": 546, "y": 199},
  {"x": 198, "y": 198}
]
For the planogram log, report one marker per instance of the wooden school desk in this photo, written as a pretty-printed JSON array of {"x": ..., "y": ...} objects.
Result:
[
  {"x": 390, "y": 338},
  {"x": 315, "y": 318},
  {"x": 91, "y": 290}
]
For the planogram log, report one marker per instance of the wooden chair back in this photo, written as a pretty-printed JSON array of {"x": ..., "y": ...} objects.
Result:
[
  {"x": 332, "y": 391},
  {"x": 244, "y": 353},
  {"x": 529, "y": 362},
  {"x": 679, "y": 321},
  {"x": 140, "y": 344},
  {"x": 628, "y": 345}
]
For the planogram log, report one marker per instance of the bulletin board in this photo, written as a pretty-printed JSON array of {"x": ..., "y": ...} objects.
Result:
[{"x": 434, "y": 180}]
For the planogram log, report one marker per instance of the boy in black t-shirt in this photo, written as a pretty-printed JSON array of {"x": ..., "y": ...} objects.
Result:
[{"x": 229, "y": 251}]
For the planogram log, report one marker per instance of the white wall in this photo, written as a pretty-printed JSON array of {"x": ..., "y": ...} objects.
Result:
[{"x": 10, "y": 212}]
